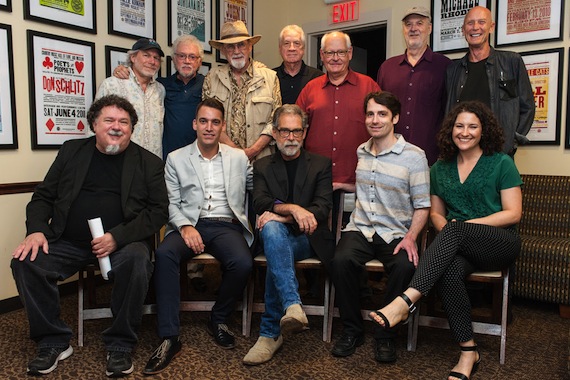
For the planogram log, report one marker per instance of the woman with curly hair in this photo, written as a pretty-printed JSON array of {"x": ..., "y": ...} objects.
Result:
[{"x": 476, "y": 202}]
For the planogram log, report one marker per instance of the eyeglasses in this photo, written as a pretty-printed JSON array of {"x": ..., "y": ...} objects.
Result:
[
  {"x": 184, "y": 57},
  {"x": 239, "y": 46},
  {"x": 295, "y": 44},
  {"x": 284, "y": 133},
  {"x": 340, "y": 53}
]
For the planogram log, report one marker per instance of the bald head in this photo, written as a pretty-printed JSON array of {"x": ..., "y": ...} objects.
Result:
[{"x": 477, "y": 26}]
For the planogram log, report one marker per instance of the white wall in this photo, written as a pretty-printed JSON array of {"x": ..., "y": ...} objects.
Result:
[{"x": 270, "y": 16}]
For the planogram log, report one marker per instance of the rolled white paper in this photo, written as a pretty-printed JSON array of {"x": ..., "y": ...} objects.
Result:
[{"x": 96, "y": 228}]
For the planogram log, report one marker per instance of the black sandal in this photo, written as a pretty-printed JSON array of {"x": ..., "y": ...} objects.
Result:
[
  {"x": 411, "y": 309},
  {"x": 461, "y": 376}
]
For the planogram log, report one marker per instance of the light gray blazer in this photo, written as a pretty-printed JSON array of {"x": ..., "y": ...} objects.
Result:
[{"x": 185, "y": 185}]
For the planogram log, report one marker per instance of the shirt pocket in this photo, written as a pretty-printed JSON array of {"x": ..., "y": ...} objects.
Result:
[
  {"x": 508, "y": 89},
  {"x": 262, "y": 106}
]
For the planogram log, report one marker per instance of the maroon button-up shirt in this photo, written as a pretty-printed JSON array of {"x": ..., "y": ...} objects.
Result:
[
  {"x": 421, "y": 91},
  {"x": 336, "y": 120}
]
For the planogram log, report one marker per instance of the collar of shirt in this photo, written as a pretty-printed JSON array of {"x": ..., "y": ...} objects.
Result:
[
  {"x": 190, "y": 82},
  {"x": 213, "y": 157},
  {"x": 133, "y": 75},
  {"x": 428, "y": 56},
  {"x": 351, "y": 78},
  {"x": 282, "y": 72},
  {"x": 397, "y": 148}
]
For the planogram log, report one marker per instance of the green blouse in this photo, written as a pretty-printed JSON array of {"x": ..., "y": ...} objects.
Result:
[{"x": 480, "y": 194}]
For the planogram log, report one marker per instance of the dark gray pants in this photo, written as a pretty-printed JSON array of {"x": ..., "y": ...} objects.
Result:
[{"x": 37, "y": 284}]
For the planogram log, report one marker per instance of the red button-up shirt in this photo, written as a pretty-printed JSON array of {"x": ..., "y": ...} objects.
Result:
[{"x": 336, "y": 120}]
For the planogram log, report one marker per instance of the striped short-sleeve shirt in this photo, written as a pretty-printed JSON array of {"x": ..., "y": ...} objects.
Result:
[{"x": 390, "y": 186}]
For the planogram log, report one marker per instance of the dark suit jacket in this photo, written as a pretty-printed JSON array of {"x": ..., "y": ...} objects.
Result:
[
  {"x": 143, "y": 193},
  {"x": 312, "y": 191}
]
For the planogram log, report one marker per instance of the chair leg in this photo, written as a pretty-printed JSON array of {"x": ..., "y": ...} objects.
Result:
[
  {"x": 326, "y": 310},
  {"x": 250, "y": 290},
  {"x": 331, "y": 311},
  {"x": 504, "y": 316},
  {"x": 245, "y": 323},
  {"x": 80, "y": 306}
]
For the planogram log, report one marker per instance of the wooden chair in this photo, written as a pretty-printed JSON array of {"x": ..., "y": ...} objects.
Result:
[
  {"x": 375, "y": 266},
  {"x": 93, "y": 310},
  {"x": 500, "y": 283},
  {"x": 186, "y": 304},
  {"x": 314, "y": 309}
]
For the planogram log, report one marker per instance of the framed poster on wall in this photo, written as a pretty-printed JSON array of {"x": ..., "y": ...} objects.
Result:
[
  {"x": 233, "y": 10},
  {"x": 544, "y": 69},
  {"x": 132, "y": 19},
  {"x": 447, "y": 23},
  {"x": 61, "y": 72},
  {"x": 528, "y": 21},
  {"x": 193, "y": 18},
  {"x": 8, "y": 132},
  {"x": 79, "y": 15},
  {"x": 6, "y": 5},
  {"x": 114, "y": 56}
]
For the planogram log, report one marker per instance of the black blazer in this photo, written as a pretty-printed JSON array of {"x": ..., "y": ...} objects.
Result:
[
  {"x": 312, "y": 191},
  {"x": 143, "y": 192}
]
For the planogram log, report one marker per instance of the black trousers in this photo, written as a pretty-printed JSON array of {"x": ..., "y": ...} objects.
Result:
[
  {"x": 226, "y": 243},
  {"x": 457, "y": 251},
  {"x": 352, "y": 253}
]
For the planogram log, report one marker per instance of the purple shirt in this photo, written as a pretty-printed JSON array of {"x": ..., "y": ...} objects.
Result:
[
  {"x": 336, "y": 120},
  {"x": 421, "y": 90}
]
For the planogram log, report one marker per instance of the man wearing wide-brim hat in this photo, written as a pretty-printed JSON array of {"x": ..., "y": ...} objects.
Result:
[{"x": 248, "y": 89}]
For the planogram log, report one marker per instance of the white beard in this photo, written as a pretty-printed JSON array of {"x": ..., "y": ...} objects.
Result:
[
  {"x": 238, "y": 63},
  {"x": 112, "y": 149}
]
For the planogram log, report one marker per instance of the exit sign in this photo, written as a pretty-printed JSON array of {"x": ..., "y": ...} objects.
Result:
[{"x": 344, "y": 12}]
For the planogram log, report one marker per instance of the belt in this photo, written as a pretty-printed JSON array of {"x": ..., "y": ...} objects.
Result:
[{"x": 222, "y": 219}]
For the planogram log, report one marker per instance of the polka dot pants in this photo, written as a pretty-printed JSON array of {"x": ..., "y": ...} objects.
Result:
[{"x": 457, "y": 251}]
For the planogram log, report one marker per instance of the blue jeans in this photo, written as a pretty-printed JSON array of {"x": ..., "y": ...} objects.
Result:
[
  {"x": 37, "y": 284},
  {"x": 282, "y": 248}
]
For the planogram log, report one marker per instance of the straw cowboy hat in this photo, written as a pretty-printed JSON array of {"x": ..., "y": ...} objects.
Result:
[{"x": 232, "y": 33}]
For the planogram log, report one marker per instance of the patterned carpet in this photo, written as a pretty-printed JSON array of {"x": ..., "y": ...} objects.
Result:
[{"x": 537, "y": 348}]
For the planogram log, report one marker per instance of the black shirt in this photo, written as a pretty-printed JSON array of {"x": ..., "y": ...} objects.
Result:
[
  {"x": 476, "y": 87},
  {"x": 291, "y": 86},
  {"x": 100, "y": 196}
]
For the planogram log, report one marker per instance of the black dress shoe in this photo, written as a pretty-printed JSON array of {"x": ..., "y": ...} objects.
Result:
[
  {"x": 222, "y": 335},
  {"x": 385, "y": 350},
  {"x": 347, "y": 344},
  {"x": 161, "y": 357}
]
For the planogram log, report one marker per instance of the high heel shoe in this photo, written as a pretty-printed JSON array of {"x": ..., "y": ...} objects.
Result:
[
  {"x": 411, "y": 310},
  {"x": 461, "y": 376}
]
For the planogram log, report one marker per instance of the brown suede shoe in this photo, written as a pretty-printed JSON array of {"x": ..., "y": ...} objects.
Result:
[
  {"x": 294, "y": 321},
  {"x": 263, "y": 350}
]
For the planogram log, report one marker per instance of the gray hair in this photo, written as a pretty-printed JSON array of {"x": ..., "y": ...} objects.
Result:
[
  {"x": 289, "y": 109},
  {"x": 188, "y": 38},
  {"x": 130, "y": 54},
  {"x": 292, "y": 28},
  {"x": 329, "y": 34}
]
